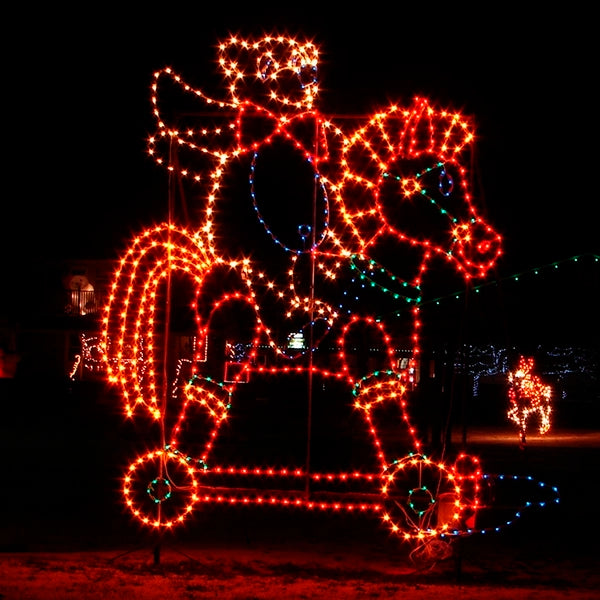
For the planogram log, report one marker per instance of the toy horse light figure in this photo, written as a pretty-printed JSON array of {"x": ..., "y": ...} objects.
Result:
[
  {"x": 401, "y": 202},
  {"x": 395, "y": 186},
  {"x": 529, "y": 397}
]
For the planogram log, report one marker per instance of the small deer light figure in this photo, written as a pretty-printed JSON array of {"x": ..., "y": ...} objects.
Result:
[{"x": 528, "y": 395}]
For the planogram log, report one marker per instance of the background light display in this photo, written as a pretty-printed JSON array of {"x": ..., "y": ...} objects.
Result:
[{"x": 529, "y": 398}]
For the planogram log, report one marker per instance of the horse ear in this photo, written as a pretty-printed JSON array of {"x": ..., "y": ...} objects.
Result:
[
  {"x": 416, "y": 130},
  {"x": 427, "y": 130}
]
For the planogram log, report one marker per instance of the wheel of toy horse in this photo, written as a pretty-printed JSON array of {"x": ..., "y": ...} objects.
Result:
[
  {"x": 420, "y": 498},
  {"x": 160, "y": 488}
]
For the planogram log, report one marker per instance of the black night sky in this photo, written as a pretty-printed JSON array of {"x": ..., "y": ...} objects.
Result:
[{"x": 82, "y": 182}]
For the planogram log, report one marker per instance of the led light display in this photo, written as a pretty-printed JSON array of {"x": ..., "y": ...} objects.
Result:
[
  {"x": 379, "y": 199},
  {"x": 529, "y": 398}
]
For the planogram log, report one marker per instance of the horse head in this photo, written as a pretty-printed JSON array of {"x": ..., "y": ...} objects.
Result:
[{"x": 403, "y": 179}]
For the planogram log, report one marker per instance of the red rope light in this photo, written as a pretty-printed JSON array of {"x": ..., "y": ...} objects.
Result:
[{"x": 370, "y": 172}]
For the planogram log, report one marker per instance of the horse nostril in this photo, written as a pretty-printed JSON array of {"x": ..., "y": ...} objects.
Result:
[{"x": 484, "y": 247}]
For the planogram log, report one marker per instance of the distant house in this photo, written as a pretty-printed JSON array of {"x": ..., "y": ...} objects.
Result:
[{"x": 52, "y": 307}]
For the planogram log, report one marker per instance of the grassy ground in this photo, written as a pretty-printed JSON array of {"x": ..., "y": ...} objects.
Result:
[{"x": 66, "y": 535}]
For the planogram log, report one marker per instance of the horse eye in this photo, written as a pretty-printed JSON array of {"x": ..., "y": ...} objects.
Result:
[{"x": 445, "y": 183}]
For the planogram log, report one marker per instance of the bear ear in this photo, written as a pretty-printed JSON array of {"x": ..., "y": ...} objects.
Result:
[
  {"x": 274, "y": 71},
  {"x": 425, "y": 129}
]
